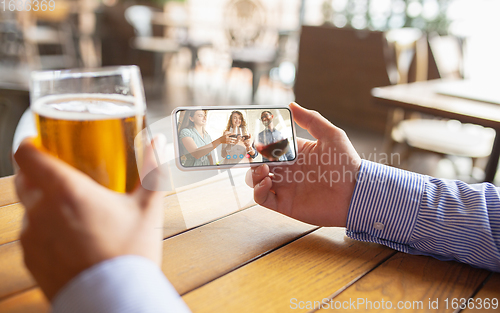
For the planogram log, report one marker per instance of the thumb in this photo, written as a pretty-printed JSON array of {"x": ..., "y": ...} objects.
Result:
[
  {"x": 312, "y": 121},
  {"x": 40, "y": 168}
]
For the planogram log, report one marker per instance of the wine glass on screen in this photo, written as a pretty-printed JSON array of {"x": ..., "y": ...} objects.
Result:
[
  {"x": 239, "y": 133},
  {"x": 243, "y": 133},
  {"x": 270, "y": 142},
  {"x": 235, "y": 134}
]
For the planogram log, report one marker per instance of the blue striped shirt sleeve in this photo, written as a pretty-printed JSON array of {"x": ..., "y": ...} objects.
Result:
[{"x": 418, "y": 214}]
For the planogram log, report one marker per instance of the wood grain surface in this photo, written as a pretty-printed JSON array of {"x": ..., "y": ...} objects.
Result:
[
  {"x": 14, "y": 277},
  {"x": 203, "y": 254},
  {"x": 214, "y": 250},
  {"x": 7, "y": 191},
  {"x": 31, "y": 301},
  {"x": 490, "y": 291},
  {"x": 415, "y": 280},
  {"x": 11, "y": 217},
  {"x": 310, "y": 268},
  {"x": 204, "y": 207},
  {"x": 197, "y": 205}
]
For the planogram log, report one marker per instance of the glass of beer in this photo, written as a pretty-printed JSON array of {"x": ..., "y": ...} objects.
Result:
[{"x": 89, "y": 118}]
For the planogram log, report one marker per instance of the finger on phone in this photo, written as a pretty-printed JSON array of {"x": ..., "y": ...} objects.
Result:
[
  {"x": 249, "y": 178},
  {"x": 312, "y": 121},
  {"x": 253, "y": 176},
  {"x": 259, "y": 173},
  {"x": 262, "y": 194}
]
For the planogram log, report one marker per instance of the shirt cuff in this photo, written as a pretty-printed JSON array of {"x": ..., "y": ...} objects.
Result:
[
  {"x": 459, "y": 222},
  {"x": 123, "y": 284},
  {"x": 385, "y": 205}
]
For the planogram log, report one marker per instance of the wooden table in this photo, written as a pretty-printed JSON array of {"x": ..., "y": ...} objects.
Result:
[
  {"x": 421, "y": 97},
  {"x": 256, "y": 260}
]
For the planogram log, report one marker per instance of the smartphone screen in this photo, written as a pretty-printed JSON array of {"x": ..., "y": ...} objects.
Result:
[{"x": 220, "y": 137}]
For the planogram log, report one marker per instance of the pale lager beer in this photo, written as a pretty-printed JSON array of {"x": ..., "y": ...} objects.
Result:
[{"x": 93, "y": 133}]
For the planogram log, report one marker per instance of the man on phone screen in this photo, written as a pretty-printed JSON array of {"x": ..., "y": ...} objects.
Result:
[{"x": 270, "y": 135}]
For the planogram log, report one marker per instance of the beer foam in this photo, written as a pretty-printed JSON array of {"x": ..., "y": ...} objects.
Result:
[{"x": 87, "y": 107}]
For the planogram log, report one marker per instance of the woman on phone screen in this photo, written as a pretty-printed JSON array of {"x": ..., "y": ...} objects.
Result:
[
  {"x": 243, "y": 149},
  {"x": 195, "y": 144}
]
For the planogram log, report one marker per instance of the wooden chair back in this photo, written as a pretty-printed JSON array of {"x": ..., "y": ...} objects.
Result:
[{"x": 337, "y": 69}]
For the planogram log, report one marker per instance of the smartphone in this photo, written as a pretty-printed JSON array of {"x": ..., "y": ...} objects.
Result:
[{"x": 216, "y": 137}]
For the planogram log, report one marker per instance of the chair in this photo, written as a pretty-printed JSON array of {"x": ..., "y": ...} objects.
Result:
[
  {"x": 13, "y": 102},
  {"x": 175, "y": 18},
  {"x": 337, "y": 69},
  {"x": 442, "y": 137},
  {"x": 48, "y": 38},
  {"x": 245, "y": 24},
  {"x": 140, "y": 17},
  {"x": 89, "y": 31},
  {"x": 11, "y": 39},
  {"x": 448, "y": 51}
]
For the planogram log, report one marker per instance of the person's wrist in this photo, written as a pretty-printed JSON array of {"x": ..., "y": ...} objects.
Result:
[{"x": 352, "y": 187}]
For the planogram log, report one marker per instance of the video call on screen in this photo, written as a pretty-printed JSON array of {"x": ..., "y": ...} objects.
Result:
[{"x": 251, "y": 136}]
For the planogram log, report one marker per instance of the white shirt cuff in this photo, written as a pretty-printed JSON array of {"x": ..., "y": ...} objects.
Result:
[{"x": 123, "y": 284}]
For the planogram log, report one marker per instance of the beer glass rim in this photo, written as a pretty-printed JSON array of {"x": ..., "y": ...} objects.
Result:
[{"x": 84, "y": 72}]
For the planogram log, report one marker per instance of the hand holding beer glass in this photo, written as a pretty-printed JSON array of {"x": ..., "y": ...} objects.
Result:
[{"x": 89, "y": 119}]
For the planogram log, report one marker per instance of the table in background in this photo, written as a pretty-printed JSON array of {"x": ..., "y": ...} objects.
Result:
[
  {"x": 256, "y": 260},
  {"x": 421, "y": 97}
]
